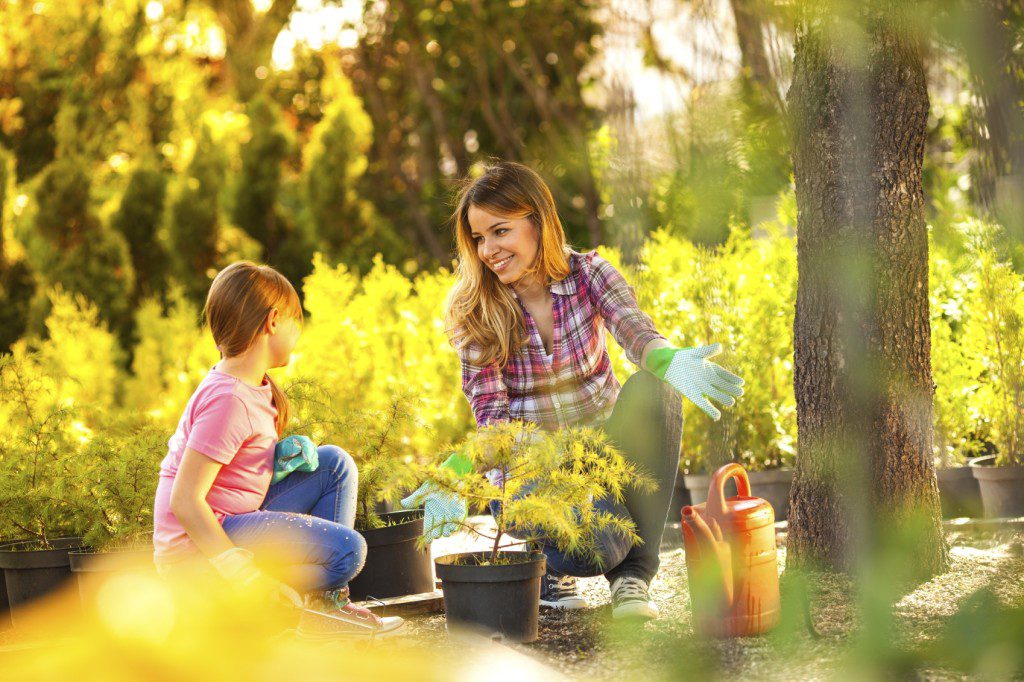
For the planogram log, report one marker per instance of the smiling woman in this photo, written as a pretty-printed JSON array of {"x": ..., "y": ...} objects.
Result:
[{"x": 527, "y": 315}]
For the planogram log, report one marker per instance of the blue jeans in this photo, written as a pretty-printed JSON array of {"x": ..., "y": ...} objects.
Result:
[
  {"x": 646, "y": 426},
  {"x": 305, "y": 522}
]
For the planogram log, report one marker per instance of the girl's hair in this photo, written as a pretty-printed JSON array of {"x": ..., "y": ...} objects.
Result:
[
  {"x": 240, "y": 299},
  {"x": 480, "y": 310}
]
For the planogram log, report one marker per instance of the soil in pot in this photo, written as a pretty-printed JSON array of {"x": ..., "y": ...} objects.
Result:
[
  {"x": 1002, "y": 488},
  {"x": 92, "y": 569},
  {"x": 499, "y": 598},
  {"x": 394, "y": 566},
  {"x": 959, "y": 493},
  {"x": 30, "y": 573}
]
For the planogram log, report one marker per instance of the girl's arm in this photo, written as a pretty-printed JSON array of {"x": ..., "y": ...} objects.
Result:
[{"x": 188, "y": 503}]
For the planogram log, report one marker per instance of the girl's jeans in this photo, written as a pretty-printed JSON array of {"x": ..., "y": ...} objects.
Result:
[
  {"x": 646, "y": 426},
  {"x": 305, "y": 523}
]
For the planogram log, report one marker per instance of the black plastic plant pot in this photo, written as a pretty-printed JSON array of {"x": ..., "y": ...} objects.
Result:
[
  {"x": 91, "y": 569},
  {"x": 5, "y": 606},
  {"x": 958, "y": 492},
  {"x": 31, "y": 573},
  {"x": 495, "y": 599},
  {"x": 394, "y": 566}
]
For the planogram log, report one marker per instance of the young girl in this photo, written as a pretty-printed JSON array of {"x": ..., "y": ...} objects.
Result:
[
  {"x": 528, "y": 316},
  {"x": 215, "y": 498}
]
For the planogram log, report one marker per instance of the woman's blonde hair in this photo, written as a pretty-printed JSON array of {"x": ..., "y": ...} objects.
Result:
[
  {"x": 240, "y": 299},
  {"x": 480, "y": 310}
]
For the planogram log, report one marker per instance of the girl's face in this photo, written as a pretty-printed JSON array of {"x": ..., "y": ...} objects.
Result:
[
  {"x": 508, "y": 246},
  {"x": 283, "y": 333}
]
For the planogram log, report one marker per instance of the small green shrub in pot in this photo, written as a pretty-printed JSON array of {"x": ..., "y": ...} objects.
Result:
[
  {"x": 543, "y": 485},
  {"x": 994, "y": 329},
  {"x": 380, "y": 443}
]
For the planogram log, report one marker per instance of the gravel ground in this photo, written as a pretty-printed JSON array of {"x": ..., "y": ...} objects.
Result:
[{"x": 588, "y": 644}]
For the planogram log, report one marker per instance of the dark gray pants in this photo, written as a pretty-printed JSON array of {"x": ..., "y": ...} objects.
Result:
[{"x": 646, "y": 426}]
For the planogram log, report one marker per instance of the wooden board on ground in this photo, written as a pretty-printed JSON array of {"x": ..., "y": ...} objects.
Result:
[{"x": 424, "y": 603}]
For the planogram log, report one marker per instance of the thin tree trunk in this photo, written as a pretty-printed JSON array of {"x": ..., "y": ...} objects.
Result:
[{"x": 862, "y": 375}]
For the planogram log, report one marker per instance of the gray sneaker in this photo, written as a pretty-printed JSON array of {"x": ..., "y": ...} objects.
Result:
[{"x": 631, "y": 599}]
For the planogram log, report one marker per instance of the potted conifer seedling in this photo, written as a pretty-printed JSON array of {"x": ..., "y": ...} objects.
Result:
[
  {"x": 39, "y": 460},
  {"x": 396, "y": 563},
  {"x": 539, "y": 488},
  {"x": 995, "y": 328},
  {"x": 120, "y": 486}
]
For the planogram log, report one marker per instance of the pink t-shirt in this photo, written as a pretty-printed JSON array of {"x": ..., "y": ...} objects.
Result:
[{"x": 230, "y": 422}]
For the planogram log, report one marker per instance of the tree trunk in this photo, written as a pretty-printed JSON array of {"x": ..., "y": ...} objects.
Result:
[{"x": 862, "y": 376}]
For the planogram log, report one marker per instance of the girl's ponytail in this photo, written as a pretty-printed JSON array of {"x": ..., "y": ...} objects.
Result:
[{"x": 282, "y": 405}]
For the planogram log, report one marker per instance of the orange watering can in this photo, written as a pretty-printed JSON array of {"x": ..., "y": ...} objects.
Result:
[{"x": 731, "y": 560}]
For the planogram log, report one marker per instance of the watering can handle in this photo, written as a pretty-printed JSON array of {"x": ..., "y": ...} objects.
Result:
[{"x": 716, "y": 491}]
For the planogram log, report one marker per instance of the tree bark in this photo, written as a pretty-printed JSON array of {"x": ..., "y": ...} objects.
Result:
[{"x": 862, "y": 375}]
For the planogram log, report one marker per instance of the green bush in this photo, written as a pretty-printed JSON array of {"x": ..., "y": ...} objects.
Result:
[
  {"x": 139, "y": 219},
  {"x": 72, "y": 248},
  {"x": 334, "y": 161},
  {"x": 545, "y": 485},
  {"x": 994, "y": 331},
  {"x": 195, "y": 221}
]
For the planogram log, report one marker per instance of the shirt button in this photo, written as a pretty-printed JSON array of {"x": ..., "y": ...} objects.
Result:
[{"x": 558, "y": 404}]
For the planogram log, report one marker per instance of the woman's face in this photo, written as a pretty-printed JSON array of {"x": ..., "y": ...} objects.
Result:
[{"x": 508, "y": 246}]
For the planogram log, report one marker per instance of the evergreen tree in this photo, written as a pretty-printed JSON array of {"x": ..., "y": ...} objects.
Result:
[
  {"x": 17, "y": 284},
  {"x": 258, "y": 190},
  {"x": 71, "y": 247},
  {"x": 138, "y": 219},
  {"x": 334, "y": 162},
  {"x": 195, "y": 220}
]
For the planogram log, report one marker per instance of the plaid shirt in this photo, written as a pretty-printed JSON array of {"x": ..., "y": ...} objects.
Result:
[{"x": 577, "y": 384}]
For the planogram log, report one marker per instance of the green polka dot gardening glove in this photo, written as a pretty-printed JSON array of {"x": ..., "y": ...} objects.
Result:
[
  {"x": 689, "y": 371},
  {"x": 443, "y": 510}
]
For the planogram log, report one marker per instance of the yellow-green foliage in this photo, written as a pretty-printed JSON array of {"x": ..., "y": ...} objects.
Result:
[
  {"x": 993, "y": 334},
  {"x": 741, "y": 295},
  {"x": 172, "y": 356},
  {"x": 545, "y": 485},
  {"x": 371, "y": 338},
  {"x": 79, "y": 359}
]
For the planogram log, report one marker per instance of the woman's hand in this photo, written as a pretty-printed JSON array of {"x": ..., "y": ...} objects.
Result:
[{"x": 689, "y": 371}]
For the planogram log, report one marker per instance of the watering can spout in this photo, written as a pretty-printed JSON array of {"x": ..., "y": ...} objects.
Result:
[{"x": 731, "y": 559}]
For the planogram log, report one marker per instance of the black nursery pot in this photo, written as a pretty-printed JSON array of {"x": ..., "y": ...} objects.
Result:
[
  {"x": 394, "y": 565},
  {"x": 5, "y": 606},
  {"x": 503, "y": 598},
  {"x": 32, "y": 573},
  {"x": 91, "y": 569}
]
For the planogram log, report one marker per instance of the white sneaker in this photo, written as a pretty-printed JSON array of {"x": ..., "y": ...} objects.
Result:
[
  {"x": 560, "y": 592},
  {"x": 630, "y": 599}
]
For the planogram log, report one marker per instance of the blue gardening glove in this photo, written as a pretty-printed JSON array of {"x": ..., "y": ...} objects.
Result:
[
  {"x": 294, "y": 453},
  {"x": 443, "y": 510},
  {"x": 689, "y": 371}
]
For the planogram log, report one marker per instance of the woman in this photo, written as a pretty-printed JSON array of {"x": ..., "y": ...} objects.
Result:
[{"x": 528, "y": 317}]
